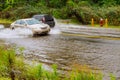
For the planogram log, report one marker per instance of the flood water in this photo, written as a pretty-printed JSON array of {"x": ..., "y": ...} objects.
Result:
[{"x": 66, "y": 50}]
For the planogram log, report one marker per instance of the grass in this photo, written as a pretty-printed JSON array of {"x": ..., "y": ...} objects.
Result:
[
  {"x": 75, "y": 21},
  {"x": 3, "y": 78},
  {"x": 6, "y": 21}
]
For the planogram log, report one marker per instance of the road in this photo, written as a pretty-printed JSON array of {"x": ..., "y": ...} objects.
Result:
[{"x": 65, "y": 50}]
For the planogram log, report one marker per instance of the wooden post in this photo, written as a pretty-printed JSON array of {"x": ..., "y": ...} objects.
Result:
[
  {"x": 106, "y": 22},
  {"x": 92, "y": 22}
]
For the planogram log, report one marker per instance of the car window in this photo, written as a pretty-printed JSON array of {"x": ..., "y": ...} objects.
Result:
[
  {"x": 17, "y": 22},
  {"x": 38, "y": 17},
  {"x": 32, "y": 21},
  {"x": 22, "y": 22}
]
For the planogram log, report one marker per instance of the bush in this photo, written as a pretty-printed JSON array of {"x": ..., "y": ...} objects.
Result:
[
  {"x": 110, "y": 13},
  {"x": 7, "y": 59},
  {"x": 87, "y": 14},
  {"x": 113, "y": 15},
  {"x": 82, "y": 11}
]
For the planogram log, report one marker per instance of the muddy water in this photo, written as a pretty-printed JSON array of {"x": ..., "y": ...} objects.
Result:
[{"x": 66, "y": 50}]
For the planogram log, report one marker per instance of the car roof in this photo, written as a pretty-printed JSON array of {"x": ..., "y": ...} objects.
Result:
[
  {"x": 26, "y": 19},
  {"x": 41, "y": 15}
]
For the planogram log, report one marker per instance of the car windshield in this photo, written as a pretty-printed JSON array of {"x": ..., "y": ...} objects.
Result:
[{"x": 32, "y": 21}]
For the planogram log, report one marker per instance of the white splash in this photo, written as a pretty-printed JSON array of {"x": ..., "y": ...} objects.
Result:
[
  {"x": 1, "y": 26},
  {"x": 16, "y": 33},
  {"x": 54, "y": 31}
]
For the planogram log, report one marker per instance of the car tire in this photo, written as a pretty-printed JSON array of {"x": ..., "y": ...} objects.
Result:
[
  {"x": 34, "y": 35},
  {"x": 12, "y": 28}
]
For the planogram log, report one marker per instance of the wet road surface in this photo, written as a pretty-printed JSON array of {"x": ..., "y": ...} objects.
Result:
[{"x": 67, "y": 50}]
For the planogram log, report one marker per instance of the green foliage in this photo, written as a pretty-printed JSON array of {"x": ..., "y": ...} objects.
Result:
[
  {"x": 84, "y": 3},
  {"x": 109, "y": 2},
  {"x": 34, "y": 72},
  {"x": 39, "y": 73},
  {"x": 82, "y": 10},
  {"x": 3, "y": 78},
  {"x": 113, "y": 15},
  {"x": 84, "y": 72},
  {"x": 112, "y": 77},
  {"x": 7, "y": 60},
  {"x": 86, "y": 13},
  {"x": 56, "y": 3}
]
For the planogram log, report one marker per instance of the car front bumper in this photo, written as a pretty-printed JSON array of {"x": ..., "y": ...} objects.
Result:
[{"x": 41, "y": 31}]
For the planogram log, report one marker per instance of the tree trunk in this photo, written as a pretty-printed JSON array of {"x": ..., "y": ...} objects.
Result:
[{"x": 48, "y": 3}]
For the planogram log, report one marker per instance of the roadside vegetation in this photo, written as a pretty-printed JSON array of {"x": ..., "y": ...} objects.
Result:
[
  {"x": 81, "y": 11},
  {"x": 5, "y": 22},
  {"x": 15, "y": 67}
]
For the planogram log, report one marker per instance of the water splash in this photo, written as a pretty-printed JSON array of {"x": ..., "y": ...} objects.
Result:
[
  {"x": 54, "y": 31},
  {"x": 22, "y": 32},
  {"x": 1, "y": 26},
  {"x": 17, "y": 33}
]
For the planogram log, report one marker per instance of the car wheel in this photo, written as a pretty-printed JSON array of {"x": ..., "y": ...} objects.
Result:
[
  {"x": 12, "y": 28},
  {"x": 34, "y": 35}
]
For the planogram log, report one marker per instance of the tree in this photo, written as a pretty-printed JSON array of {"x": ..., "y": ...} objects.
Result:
[
  {"x": 117, "y": 2},
  {"x": 109, "y": 2}
]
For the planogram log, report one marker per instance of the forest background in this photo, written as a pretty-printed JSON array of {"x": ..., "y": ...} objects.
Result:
[{"x": 81, "y": 11}]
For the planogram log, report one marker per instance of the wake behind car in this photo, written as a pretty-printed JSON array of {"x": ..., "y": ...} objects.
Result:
[{"x": 33, "y": 24}]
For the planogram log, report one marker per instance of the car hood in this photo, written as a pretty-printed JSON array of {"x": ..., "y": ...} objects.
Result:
[{"x": 38, "y": 26}]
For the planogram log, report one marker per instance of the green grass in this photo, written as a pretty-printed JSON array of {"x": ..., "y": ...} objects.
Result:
[
  {"x": 6, "y": 21},
  {"x": 3, "y": 78},
  {"x": 74, "y": 21},
  {"x": 112, "y": 77}
]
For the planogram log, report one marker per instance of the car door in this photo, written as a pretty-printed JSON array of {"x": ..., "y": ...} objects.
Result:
[
  {"x": 22, "y": 24},
  {"x": 17, "y": 23}
]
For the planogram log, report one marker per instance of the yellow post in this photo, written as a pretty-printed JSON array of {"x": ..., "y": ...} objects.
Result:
[
  {"x": 106, "y": 22},
  {"x": 92, "y": 22}
]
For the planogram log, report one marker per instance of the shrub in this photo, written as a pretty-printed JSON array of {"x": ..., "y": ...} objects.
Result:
[
  {"x": 113, "y": 15},
  {"x": 7, "y": 59}
]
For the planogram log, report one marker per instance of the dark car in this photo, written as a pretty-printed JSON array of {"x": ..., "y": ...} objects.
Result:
[{"x": 45, "y": 18}]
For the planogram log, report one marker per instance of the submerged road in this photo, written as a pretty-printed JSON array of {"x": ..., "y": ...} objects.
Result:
[{"x": 65, "y": 50}]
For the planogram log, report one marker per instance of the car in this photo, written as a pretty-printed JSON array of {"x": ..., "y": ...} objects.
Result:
[
  {"x": 33, "y": 24},
  {"x": 45, "y": 18}
]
